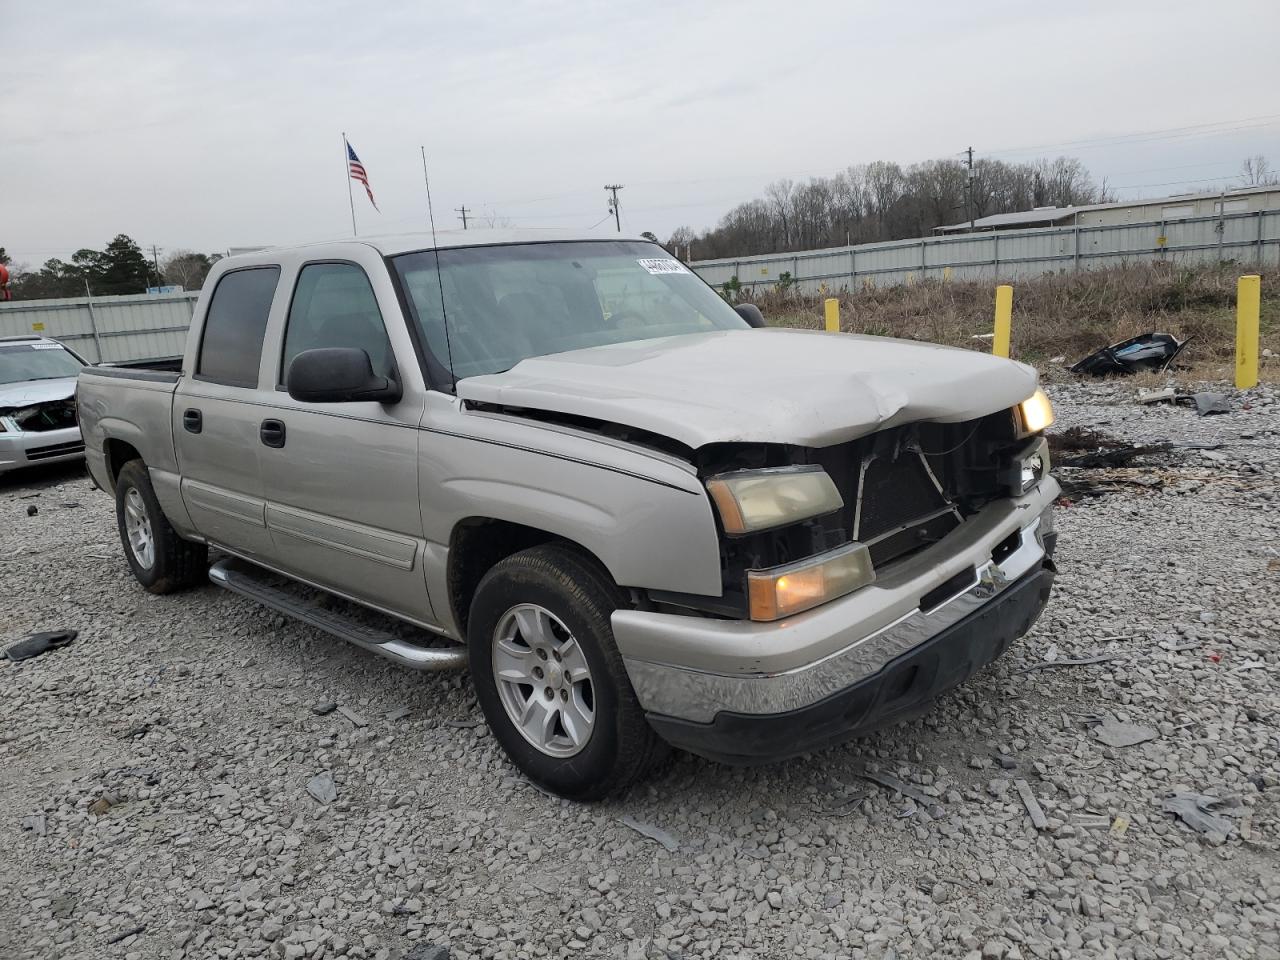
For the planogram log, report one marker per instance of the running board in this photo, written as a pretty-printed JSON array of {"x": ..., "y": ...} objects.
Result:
[{"x": 249, "y": 581}]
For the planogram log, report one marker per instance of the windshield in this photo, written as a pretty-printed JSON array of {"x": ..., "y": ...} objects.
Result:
[
  {"x": 20, "y": 362},
  {"x": 506, "y": 303}
]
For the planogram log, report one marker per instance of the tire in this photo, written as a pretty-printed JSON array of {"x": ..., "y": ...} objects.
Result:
[
  {"x": 578, "y": 760},
  {"x": 172, "y": 563}
]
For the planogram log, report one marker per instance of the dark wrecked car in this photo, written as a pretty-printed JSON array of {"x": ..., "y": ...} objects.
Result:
[{"x": 38, "y": 402}]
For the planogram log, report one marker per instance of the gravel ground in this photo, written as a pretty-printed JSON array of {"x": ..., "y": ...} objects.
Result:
[{"x": 154, "y": 774}]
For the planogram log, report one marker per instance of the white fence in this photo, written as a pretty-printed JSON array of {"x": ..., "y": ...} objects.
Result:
[
  {"x": 114, "y": 329},
  {"x": 1252, "y": 237}
]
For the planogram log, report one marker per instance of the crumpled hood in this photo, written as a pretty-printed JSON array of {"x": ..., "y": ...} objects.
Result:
[
  {"x": 30, "y": 392},
  {"x": 800, "y": 387}
]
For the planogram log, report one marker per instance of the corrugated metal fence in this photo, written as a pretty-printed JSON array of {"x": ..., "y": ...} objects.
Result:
[
  {"x": 1252, "y": 237},
  {"x": 148, "y": 327},
  {"x": 114, "y": 329}
]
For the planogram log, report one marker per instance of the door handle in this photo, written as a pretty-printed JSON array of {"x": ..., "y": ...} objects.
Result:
[
  {"x": 192, "y": 420},
  {"x": 272, "y": 433}
]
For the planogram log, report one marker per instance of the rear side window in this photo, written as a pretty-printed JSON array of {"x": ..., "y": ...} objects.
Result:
[
  {"x": 334, "y": 306},
  {"x": 232, "y": 345}
]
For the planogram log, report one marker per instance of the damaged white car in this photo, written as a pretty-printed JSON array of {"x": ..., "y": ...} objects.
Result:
[{"x": 38, "y": 402}]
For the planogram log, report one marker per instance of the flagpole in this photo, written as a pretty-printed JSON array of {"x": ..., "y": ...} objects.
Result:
[{"x": 346, "y": 163}]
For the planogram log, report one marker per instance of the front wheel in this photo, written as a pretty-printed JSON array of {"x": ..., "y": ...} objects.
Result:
[
  {"x": 160, "y": 559},
  {"x": 549, "y": 678}
]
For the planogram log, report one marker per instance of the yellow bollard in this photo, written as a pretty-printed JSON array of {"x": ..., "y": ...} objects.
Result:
[
  {"x": 1248, "y": 306},
  {"x": 1004, "y": 320},
  {"x": 831, "y": 312}
]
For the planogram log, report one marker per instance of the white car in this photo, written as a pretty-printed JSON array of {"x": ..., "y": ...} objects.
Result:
[{"x": 38, "y": 422}]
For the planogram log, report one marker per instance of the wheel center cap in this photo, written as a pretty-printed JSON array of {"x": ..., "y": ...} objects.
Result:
[{"x": 555, "y": 674}]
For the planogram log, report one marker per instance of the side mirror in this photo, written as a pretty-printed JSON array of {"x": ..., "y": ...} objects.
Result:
[
  {"x": 337, "y": 375},
  {"x": 750, "y": 313}
]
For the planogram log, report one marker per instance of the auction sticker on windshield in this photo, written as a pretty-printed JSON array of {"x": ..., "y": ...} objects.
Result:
[{"x": 658, "y": 266}]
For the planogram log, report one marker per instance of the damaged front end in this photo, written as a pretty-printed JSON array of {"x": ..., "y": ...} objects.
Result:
[
  {"x": 900, "y": 490},
  {"x": 39, "y": 417}
]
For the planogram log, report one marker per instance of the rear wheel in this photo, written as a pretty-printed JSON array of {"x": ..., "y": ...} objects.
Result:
[
  {"x": 160, "y": 559},
  {"x": 549, "y": 678}
]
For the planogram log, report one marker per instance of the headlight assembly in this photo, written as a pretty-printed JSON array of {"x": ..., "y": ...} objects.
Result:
[
  {"x": 752, "y": 500},
  {"x": 1034, "y": 414}
]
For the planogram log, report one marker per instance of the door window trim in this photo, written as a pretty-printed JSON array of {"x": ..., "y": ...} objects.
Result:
[
  {"x": 204, "y": 328},
  {"x": 293, "y": 294}
]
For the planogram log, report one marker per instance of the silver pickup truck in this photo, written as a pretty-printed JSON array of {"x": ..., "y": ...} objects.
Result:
[{"x": 637, "y": 514}]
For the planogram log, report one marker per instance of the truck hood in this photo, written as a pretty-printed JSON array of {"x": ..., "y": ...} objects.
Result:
[
  {"x": 799, "y": 387},
  {"x": 28, "y": 393}
]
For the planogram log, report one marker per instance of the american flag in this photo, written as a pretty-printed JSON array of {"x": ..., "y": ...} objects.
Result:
[{"x": 357, "y": 173}]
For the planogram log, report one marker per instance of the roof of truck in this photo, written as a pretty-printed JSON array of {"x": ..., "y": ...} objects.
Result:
[{"x": 391, "y": 244}]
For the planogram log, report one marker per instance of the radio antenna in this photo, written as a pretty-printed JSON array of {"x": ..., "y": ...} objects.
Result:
[{"x": 444, "y": 318}]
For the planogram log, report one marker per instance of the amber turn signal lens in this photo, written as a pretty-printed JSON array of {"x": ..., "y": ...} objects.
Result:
[{"x": 781, "y": 591}]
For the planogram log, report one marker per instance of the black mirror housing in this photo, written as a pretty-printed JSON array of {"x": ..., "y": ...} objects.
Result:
[
  {"x": 338, "y": 375},
  {"x": 751, "y": 313}
]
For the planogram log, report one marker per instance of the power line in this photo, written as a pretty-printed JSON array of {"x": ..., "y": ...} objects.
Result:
[{"x": 1149, "y": 136}]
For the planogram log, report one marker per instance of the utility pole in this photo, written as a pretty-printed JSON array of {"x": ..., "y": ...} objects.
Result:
[
  {"x": 968, "y": 191},
  {"x": 155, "y": 256},
  {"x": 462, "y": 211},
  {"x": 613, "y": 189}
]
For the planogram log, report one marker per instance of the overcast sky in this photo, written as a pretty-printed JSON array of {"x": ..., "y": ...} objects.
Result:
[{"x": 219, "y": 124}]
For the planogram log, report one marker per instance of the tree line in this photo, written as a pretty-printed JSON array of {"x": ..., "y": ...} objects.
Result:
[
  {"x": 885, "y": 201},
  {"x": 118, "y": 268}
]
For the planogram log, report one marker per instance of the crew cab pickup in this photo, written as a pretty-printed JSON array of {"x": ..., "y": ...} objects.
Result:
[{"x": 637, "y": 514}]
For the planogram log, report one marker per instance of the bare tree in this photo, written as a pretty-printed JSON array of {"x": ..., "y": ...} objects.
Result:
[
  {"x": 1256, "y": 172},
  {"x": 188, "y": 269}
]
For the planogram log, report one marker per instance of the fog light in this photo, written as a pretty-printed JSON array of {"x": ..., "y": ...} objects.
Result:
[
  {"x": 1029, "y": 467},
  {"x": 781, "y": 591}
]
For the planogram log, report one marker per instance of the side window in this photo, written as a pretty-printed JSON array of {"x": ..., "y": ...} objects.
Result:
[
  {"x": 334, "y": 306},
  {"x": 231, "y": 346}
]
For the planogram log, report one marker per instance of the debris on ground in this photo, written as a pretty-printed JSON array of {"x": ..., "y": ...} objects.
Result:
[
  {"x": 399, "y": 713},
  {"x": 893, "y": 783},
  {"x": 1208, "y": 404},
  {"x": 1147, "y": 351},
  {"x": 1204, "y": 812},
  {"x": 1072, "y": 662},
  {"x": 1119, "y": 826},
  {"x": 32, "y": 510},
  {"x": 1034, "y": 810},
  {"x": 1115, "y": 733},
  {"x": 323, "y": 708},
  {"x": 126, "y": 934},
  {"x": 653, "y": 833},
  {"x": 1157, "y": 396},
  {"x": 322, "y": 788},
  {"x": 38, "y": 643},
  {"x": 357, "y": 721}
]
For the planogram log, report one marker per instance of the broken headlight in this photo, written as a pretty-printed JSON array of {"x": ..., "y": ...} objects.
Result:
[{"x": 752, "y": 500}]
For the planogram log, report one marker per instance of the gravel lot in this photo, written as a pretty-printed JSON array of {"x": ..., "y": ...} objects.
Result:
[{"x": 153, "y": 775}]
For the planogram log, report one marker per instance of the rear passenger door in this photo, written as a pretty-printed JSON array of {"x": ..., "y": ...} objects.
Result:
[
  {"x": 215, "y": 417},
  {"x": 342, "y": 485}
]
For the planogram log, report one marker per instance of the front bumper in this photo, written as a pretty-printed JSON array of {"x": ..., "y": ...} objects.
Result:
[
  {"x": 689, "y": 671},
  {"x": 34, "y": 448},
  {"x": 900, "y": 691}
]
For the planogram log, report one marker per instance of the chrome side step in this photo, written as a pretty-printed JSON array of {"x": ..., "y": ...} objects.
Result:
[{"x": 249, "y": 581}]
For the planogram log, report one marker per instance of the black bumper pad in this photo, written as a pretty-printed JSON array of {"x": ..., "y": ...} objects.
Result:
[{"x": 903, "y": 689}]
